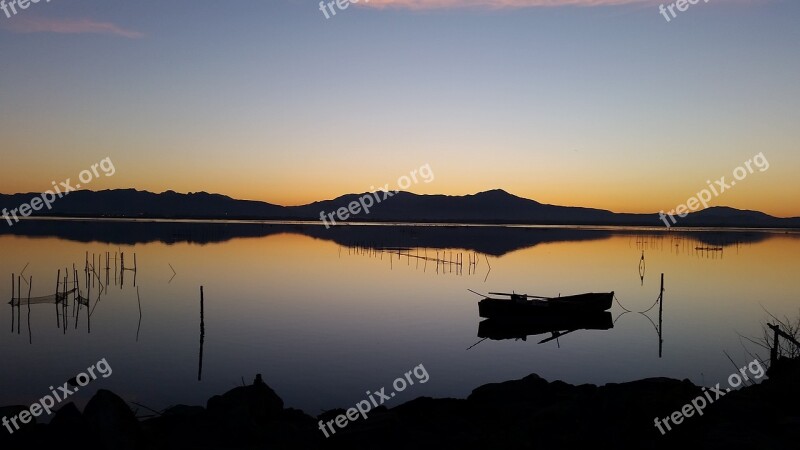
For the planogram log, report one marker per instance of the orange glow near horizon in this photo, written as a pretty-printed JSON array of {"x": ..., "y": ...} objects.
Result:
[
  {"x": 613, "y": 175},
  {"x": 620, "y": 199}
]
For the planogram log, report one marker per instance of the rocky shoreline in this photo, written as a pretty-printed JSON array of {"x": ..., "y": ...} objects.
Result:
[{"x": 526, "y": 413}]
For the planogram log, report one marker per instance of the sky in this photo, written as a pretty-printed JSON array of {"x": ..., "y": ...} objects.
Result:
[{"x": 596, "y": 103}]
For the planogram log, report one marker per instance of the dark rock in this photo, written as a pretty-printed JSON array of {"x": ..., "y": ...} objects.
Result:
[
  {"x": 67, "y": 416},
  {"x": 112, "y": 423},
  {"x": 182, "y": 426},
  {"x": 69, "y": 426},
  {"x": 526, "y": 413},
  {"x": 8, "y": 439},
  {"x": 516, "y": 398},
  {"x": 243, "y": 411},
  {"x": 297, "y": 416},
  {"x": 183, "y": 411},
  {"x": 9, "y": 412}
]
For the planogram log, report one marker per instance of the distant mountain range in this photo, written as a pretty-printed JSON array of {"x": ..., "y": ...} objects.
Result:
[{"x": 490, "y": 207}]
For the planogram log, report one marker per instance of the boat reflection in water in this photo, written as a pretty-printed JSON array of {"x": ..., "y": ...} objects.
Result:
[{"x": 556, "y": 323}]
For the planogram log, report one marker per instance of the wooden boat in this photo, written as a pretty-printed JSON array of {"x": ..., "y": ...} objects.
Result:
[
  {"x": 557, "y": 323},
  {"x": 521, "y": 305}
]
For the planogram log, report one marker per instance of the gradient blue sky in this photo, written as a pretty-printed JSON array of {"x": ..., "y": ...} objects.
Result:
[{"x": 602, "y": 106}]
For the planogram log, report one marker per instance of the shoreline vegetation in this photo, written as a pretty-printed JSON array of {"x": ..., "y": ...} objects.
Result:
[{"x": 526, "y": 413}]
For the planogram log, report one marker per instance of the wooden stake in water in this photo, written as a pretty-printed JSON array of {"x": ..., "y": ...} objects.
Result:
[
  {"x": 202, "y": 335},
  {"x": 64, "y": 307},
  {"x": 30, "y": 335},
  {"x": 660, "y": 312},
  {"x": 19, "y": 305},
  {"x": 58, "y": 279},
  {"x": 139, "y": 327},
  {"x": 12, "y": 302}
]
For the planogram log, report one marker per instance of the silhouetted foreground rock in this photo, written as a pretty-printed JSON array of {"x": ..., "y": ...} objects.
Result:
[{"x": 527, "y": 413}]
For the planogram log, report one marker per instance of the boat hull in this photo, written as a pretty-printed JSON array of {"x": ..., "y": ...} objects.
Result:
[{"x": 582, "y": 303}]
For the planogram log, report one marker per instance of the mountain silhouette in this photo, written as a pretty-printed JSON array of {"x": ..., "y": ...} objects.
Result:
[
  {"x": 490, "y": 207},
  {"x": 130, "y": 203}
]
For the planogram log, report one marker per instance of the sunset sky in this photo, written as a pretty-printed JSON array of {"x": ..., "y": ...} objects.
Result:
[{"x": 598, "y": 103}]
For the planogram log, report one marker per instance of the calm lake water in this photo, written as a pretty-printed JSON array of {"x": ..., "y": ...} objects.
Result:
[{"x": 325, "y": 317}]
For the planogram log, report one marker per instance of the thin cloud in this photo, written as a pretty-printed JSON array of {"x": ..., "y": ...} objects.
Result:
[
  {"x": 69, "y": 26},
  {"x": 491, "y": 4}
]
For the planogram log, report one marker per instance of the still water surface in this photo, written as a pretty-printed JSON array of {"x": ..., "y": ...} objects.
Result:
[{"x": 325, "y": 317}]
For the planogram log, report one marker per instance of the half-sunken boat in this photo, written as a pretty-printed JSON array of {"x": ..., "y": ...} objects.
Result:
[{"x": 521, "y": 305}]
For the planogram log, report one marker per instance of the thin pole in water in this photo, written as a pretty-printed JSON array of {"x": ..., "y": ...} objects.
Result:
[
  {"x": 202, "y": 335},
  {"x": 58, "y": 280},
  {"x": 19, "y": 305},
  {"x": 12, "y": 302},
  {"x": 30, "y": 335},
  {"x": 660, "y": 322}
]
